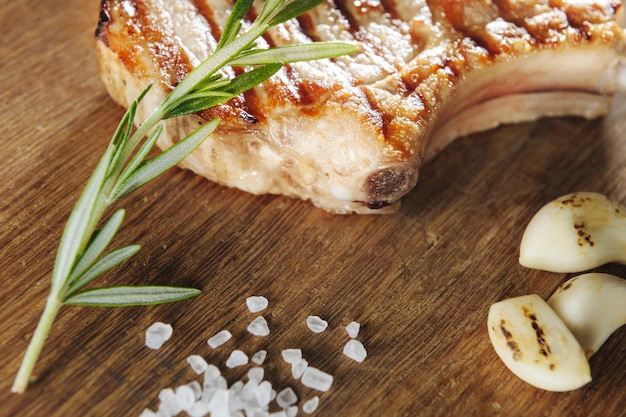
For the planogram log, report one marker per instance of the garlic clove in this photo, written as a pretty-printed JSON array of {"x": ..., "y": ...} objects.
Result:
[
  {"x": 535, "y": 344},
  {"x": 575, "y": 233},
  {"x": 592, "y": 306}
]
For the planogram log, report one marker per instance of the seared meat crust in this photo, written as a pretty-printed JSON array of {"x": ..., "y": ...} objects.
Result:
[{"x": 350, "y": 134}]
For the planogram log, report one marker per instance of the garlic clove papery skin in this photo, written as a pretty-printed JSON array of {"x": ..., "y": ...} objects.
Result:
[
  {"x": 575, "y": 233},
  {"x": 535, "y": 344},
  {"x": 592, "y": 306}
]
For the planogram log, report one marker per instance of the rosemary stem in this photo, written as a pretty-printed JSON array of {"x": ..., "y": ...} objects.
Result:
[{"x": 53, "y": 304}]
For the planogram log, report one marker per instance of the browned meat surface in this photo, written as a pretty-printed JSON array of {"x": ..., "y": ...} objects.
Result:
[{"x": 351, "y": 134}]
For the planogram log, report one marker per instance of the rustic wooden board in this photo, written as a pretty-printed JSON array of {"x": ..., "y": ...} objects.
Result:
[{"x": 420, "y": 281}]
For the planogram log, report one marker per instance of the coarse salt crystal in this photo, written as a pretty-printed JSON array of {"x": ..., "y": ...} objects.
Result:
[
  {"x": 197, "y": 389},
  {"x": 169, "y": 405},
  {"x": 316, "y": 379},
  {"x": 285, "y": 398},
  {"x": 264, "y": 393},
  {"x": 157, "y": 334},
  {"x": 212, "y": 383},
  {"x": 185, "y": 397},
  {"x": 166, "y": 393},
  {"x": 237, "y": 358},
  {"x": 259, "y": 357},
  {"x": 259, "y": 327},
  {"x": 355, "y": 350},
  {"x": 310, "y": 406},
  {"x": 256, "y": 375},
  {"x": 212, "y": 372},
  {"x": 298, "y": 368},
  {"x": 291, "y": 355},
  {"x": 235, "y": 400},
  {"x": 197, "y": 363},
  {"x": 353, "y": 329},
  {"x": 291, "y": 411},
  {"x": 316, "y": 324},
  {"x": 219, "y": 338},
  {"x": 219, "y": 405},
  {"x": 249, "y": 393},
  {"x": 256, "y": 303},
  {"x": 257, "y": 413},
  {"x": 199, "y": 409},
  {"x": 147, "y": 413}
]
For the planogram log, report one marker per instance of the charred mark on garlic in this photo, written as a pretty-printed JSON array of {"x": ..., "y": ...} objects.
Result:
[
  {"x": 511, "y": 344},
  {"x": 575, "y": 201},
  {"x": 544, "y": 347},
  {"x": 583, "y": 236}
]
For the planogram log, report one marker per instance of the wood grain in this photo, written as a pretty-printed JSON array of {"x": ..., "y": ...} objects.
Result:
[{"x": 420, "y": 281}]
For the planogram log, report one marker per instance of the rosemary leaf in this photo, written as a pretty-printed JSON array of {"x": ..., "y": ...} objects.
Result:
[
  {"x": 233, "y": 25},
  {"x": 98, "y": 244},
  {"x": 129, "y": 296},
  {"x": 248, "y": 80},
  {"x": 107, "y": 262},
  {"x": 293, "y": 53},
  {"x": 136, "y": 160},
  {"x": 292, "y": 9},
  {"x": 154, "y": 167}
]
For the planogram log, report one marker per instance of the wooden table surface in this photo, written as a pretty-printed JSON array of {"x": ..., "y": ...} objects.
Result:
[{"x": 420, "y": 281}]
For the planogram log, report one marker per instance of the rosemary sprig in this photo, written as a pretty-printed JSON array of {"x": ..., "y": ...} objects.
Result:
[{"x": 124, "y": 167}]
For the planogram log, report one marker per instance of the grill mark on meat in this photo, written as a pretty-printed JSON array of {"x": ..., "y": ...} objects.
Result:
[
  {"x": 518, "y": 11},
  {"x": 308, "y": 27},
  {"x": 209, "y": 16},
  {"x": 390, "y": 7},
  {"x": 355, "y": 12},
  {"x": 104, "y": 19},
  {"x": 172, "y": 61},
  {"x": 381, "y": 36},
  {"x": 342, "y": 8}
]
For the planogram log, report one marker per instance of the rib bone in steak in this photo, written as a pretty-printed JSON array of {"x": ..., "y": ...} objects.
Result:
[{"x": 350, "y": 134}]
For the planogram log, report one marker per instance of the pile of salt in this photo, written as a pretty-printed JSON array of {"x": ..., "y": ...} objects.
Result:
[{"x": 250, "y": 399}]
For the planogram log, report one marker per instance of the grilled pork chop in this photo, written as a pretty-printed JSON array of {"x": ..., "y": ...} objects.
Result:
[{"x": 350, "y": 134}]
